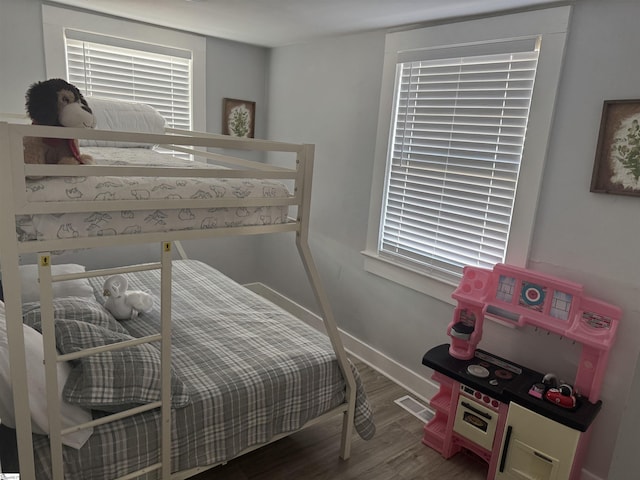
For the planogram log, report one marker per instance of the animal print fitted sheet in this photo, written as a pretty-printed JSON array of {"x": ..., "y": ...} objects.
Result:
[{"x": 70, "y": 225}]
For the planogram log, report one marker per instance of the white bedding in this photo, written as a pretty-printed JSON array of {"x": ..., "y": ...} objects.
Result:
[
  {"x": 70, "y": 415},
  {"x": 51, "y": 226}
]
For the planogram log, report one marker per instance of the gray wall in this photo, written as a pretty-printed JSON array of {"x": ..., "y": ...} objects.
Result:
[
  {"x": 234, "y": 70},
  {"x": 22, "y": 54},
  {"x": 326, "y": 92}
]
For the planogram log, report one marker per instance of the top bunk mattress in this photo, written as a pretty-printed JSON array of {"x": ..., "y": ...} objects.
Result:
[{"x": 134, "y": 189}]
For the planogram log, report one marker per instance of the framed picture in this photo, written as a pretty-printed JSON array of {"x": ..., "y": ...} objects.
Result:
[
  {"x": 238, "y": 117},
  {"x": 616, "y": 168}
]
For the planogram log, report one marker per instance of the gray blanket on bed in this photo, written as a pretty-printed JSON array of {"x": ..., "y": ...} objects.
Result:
[{"x": 249, "y": 370}]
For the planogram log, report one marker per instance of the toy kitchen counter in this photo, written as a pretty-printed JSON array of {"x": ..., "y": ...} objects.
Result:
[
  {"x": 523, "y": 423},
  {"x": 507, "y": 382}
]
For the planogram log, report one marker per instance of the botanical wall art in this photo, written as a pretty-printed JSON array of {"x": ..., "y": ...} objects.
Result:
[
  {"x": 617, "y": 166},
  {"x": 238, "y": 117}
]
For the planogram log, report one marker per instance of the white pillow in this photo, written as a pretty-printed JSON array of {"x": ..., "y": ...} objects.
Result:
[
  {"x": 69, "y": 288},
  {"x": 70, "y": 414},
  {"x": 123, "y": 117}
]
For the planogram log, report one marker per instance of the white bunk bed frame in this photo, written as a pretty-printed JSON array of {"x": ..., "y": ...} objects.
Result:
[{"x": 13, "y": 201}]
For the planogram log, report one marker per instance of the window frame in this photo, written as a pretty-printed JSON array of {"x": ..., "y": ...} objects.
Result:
[
  {"x": 549, "y": 24},
  {"x": 56, "y": 20}
]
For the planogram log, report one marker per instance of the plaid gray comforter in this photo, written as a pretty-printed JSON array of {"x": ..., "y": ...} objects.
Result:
[{"x": 251, "y": 371}]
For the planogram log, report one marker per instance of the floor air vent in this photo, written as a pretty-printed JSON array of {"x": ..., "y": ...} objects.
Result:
[{"x": 415, "y": 408}]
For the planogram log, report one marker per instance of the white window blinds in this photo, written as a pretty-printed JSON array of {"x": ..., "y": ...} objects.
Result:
[
  {"x": 109, "y": 67},
  {"x": 456, "y": 145}
]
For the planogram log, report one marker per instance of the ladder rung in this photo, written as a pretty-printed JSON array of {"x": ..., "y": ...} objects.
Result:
[
  {"x": 150, "y": 468},
  {"x": 112, "y": 418},
  {"x": 107, "y": 348}
]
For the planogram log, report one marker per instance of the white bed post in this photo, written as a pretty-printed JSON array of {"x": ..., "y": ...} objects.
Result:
[
  {"x": 165, "y": 355},
  {"x": 9, "y": 256},
  {"x": 50, "y": 364},
  {"x": 305, "y": 165}
]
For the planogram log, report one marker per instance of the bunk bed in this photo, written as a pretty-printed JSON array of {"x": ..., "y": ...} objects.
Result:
[{"x": 227, "y": 371}]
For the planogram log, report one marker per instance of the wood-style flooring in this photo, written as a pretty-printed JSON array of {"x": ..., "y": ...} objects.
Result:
[{"x": 395, "y": 453}]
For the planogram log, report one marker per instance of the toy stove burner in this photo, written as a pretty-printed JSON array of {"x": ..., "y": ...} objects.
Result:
[
  {"x": 503, "y": 374},
  {"x": 499, "y": 364},
  {"x": 478, "y": 371},
  {"x": 491, "y": 371}
]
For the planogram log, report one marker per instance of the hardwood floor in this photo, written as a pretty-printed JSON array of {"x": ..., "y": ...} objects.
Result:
[{"x": 395, "y": 453}]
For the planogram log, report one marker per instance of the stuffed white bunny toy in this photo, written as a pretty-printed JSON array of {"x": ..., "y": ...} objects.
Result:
[{"x": 123, "y": 304}]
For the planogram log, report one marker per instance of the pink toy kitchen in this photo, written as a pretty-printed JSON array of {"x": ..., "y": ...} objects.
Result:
[{"x": 524, "y": 424}]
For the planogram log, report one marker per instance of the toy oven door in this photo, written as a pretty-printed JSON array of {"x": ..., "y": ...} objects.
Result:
[{"x": 475, "y": 422}]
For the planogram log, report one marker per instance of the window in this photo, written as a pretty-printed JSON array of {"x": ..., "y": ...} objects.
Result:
[
  {"x": 454, "y": 157},
  {"x": 108, "y": 67},
  {"x": 117, "y": 58},
  {"x": 462, "y": 128}
]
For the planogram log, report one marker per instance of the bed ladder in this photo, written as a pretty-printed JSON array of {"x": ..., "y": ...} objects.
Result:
[{"x": 52, "y": 358}]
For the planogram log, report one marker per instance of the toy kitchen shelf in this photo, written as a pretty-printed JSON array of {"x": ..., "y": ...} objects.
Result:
[{"x": 488, "y": 405}]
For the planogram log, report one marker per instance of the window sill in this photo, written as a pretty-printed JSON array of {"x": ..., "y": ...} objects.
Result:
[{"x": 410, "y": 278}]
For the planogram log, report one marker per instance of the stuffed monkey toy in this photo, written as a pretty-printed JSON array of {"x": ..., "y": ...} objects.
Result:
[{"x": 56, "y": 102}]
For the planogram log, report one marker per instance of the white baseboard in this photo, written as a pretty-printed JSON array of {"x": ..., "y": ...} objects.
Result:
[
  {"x": 417, "y": 385},
  {"x": 586, "y": 475}
]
